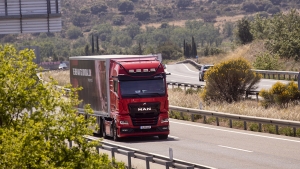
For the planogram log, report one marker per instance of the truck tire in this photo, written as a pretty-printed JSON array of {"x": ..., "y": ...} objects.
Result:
[
  {"x": 115, "y": 135},
  {"x": 163, "y": 137}
]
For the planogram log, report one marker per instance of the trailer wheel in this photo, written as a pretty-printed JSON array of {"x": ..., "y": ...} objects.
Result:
[
  {"x": 163, "y": 137},
  {"x": 115, "y": 134}
]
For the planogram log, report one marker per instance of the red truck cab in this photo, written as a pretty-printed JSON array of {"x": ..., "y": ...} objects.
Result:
[{"x": 133, "y": 97}]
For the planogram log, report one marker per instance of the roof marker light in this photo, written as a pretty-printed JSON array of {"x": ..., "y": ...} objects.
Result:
[
  {"x": 131, "y": 71},
  {"x": 152, "y": 70},
  {"x": 138, "y": 70},
  {"x": 145, "y": 70}
]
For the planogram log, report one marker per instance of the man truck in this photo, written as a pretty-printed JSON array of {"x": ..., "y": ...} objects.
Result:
[{"x": 128, "y": 93}]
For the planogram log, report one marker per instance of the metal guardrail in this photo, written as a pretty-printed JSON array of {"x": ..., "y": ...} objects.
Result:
[
  {"x": 265, "y": 73},
  {"x": 147, "y": 157},
  {"x": 259, "y": 120},
  {"x": 185, "y": 85}
]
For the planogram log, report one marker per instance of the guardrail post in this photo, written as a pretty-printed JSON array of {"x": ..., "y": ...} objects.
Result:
[
  {"x": 181, "y": 115},
  {"x": 230, "y": 123},
  {"x": 245, "y": 125},
  {"x": 289, "y": 77},
  {"x": 259, "y": 127},
  {"x": 273, "y": 76},
  {"x": 257, "y": 96},
  {"x": 269, "y": 76},
  {"x": 217, "y": 119},
  {"x": 129, "y": 155},
  {"x": 148, "y": 159},
  {"x": 113, "y": 150},
  {"x": 294, "y": 131},
  {"x": 172, "y": 85},
  {"x": 204, "y": 119},
  {"x": 284, "y": 77},
  {"x": 184, "y": 87},
  {"x": 168, "y": 164},
  {"x": 192, "y": 118},
  {"x": 276, "y": 127}
]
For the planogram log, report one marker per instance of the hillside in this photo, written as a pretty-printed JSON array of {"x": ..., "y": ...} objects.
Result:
[{"x": 122, "y": 27}]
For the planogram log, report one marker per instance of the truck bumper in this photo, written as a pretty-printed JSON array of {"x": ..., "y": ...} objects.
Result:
[{"x": 153, "y": 131}]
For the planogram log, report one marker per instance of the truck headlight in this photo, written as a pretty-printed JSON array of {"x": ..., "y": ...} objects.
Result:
[
  {"x": 124, "y": 122},
  {"x": 166, "y": 120}
]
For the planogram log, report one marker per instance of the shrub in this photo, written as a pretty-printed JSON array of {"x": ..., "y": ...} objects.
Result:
[
  {"x": 142, "y": 15},
  {"x": 228, "y": 80},
  {"x": 280, "y": 94},
  {"x": 74, "y": 32},
  {"x": 98, "y": 8},
  {"x": 118, "y": 20},
  {"x": 267, "y": 61}
]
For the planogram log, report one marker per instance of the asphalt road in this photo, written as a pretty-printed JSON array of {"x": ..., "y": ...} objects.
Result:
[
  {"x": 221, "y": 147},
  {"x": 188, "y": 74}
]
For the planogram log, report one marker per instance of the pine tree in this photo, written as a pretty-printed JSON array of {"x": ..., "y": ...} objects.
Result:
[
  {"x": 97, "y": 43},
  {"x": 93, "y": 49},
  {"x": 184, "y": 48}
]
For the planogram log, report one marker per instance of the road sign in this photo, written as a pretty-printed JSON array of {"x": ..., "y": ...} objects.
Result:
[{"x": 30, "y": 16}]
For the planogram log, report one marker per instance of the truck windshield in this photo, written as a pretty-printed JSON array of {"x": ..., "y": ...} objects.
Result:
[{"x": 143, "y": 88}]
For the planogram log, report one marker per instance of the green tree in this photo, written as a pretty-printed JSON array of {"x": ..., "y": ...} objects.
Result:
[
  {"x": 37, "y": 120},
  {"x": 74, "y": 32},
  {"x": 243, "y": 31},
  {"x": 133, "y": 30},
  {"x": 183, "y": 3},
  {"x": 169, "y": 51},
  {"x": 283, "y": 36},
  {"x": 79, "y": 20},
  {"x": 142, "y": 15},
  {"x": 228, "y": 80},
  {"x": 101, "y": 7},
  {"x": 125, "y": 6},
  {"x": 267, "y": 61},
  {"x": 249, "y": 6},
  {"x": 118, "y": 20}
]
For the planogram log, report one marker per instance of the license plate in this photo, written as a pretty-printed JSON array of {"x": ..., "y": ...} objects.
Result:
[{"x": 145, "y": 127}]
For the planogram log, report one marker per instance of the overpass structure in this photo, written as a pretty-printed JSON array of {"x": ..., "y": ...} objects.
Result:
[{"x": 30, "y": 16}]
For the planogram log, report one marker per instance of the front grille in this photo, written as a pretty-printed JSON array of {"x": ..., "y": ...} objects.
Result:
[
  {"x": 144, "y": 114},
  {"x": 144, "y": 121}
]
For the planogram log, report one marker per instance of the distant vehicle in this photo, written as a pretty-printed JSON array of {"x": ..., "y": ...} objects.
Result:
[
  {"x": 62, "y": 66},
  {"x": 203, "y": 69}
]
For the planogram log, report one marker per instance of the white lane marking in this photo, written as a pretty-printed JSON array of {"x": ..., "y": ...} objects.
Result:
[
  {"x": 184, "y": 76},
  {"x": 174, "y": 137},
  {"x": 118, "y": 145},
  {"x": 235, "y": 148},
  {"x": 190, "y": 69},
  {"x": 275, "y": 138}
]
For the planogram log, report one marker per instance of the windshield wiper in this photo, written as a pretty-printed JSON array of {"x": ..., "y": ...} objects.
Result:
[{"x": 133, "y": 94}]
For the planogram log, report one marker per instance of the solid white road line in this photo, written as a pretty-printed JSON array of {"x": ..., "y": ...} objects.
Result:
[
  {"x": 190, "y": 69},
  {"x": 237, "y": 132},
  {"x": 235, "y": 148}
]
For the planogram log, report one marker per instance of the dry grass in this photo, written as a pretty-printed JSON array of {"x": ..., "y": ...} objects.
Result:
[
  {"x": 249, "y": 52},
  {"x": 247, "y": 107},
  {"x": 62, "y": 77}
]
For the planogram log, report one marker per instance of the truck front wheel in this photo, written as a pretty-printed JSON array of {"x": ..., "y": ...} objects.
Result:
[{"x": 163, "y": 137}]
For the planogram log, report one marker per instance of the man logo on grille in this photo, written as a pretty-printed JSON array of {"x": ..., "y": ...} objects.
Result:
[{"x": 144, "y": 108}]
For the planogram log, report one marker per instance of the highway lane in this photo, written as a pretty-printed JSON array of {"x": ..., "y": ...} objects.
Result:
[
  {"x": 189, "y": 74},
  {"x": 221, "y": 147}
]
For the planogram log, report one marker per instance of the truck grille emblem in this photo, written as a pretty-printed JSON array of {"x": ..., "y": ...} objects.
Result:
[{"x": 144, "y": 108}]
